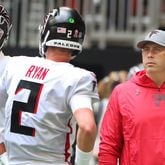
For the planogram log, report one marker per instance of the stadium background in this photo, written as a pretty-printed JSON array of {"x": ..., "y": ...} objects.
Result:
[{"x": 113, "y": 28}]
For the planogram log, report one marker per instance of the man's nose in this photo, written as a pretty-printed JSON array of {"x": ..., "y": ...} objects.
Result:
[{"x": 150, "y": 53}]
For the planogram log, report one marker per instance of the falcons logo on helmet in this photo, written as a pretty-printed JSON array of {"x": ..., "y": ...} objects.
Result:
[
  {"x": 5, "y": 25},
  {"x": 4, "y": 15}
]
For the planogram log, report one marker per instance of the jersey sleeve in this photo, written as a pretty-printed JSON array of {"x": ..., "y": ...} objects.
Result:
[
  {"x": 87, "y": 86},
  {"x": 85, "y": 89},
  {"x": 111, "y": 132}
]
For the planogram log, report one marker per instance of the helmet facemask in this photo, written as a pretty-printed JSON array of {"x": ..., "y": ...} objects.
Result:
[{"x": 5, "y": 26}]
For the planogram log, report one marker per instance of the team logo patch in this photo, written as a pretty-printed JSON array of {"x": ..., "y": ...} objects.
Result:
[
  {"x": 77, "y": 34},
  {"x": 4, "y": 17},
  {"x": 159, "y": 98}
]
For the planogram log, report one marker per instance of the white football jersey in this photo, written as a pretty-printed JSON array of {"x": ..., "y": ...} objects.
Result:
[
  {"x": 39, "y": 122},
  {"x": 3, "y": 62}
]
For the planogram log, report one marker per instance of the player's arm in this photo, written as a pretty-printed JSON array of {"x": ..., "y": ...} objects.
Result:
[
  {"x": 85, "y": 94},
  {"x": 86, "y": 132}
]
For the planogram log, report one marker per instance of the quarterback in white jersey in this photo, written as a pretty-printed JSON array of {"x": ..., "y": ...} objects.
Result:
[
  {"x": 39, "y": 111},
  {"x": 47, "y": 97}
]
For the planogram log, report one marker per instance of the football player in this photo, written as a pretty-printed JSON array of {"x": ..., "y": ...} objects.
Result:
[{"x": 48, "y": 96}]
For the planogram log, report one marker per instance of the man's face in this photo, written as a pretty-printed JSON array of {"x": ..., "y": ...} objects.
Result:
[{"x": 153, "y": 56}]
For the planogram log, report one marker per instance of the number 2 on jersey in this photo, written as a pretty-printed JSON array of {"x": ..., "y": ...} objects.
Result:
[{"x": 30, "y": 106}]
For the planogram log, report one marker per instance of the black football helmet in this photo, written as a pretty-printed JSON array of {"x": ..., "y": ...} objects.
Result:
[
  {"x": 63, "y": 27},
  {"x": 5, "y": 25}
]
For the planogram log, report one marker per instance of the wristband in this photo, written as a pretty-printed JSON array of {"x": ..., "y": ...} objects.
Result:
[
  {"x": 4, "y": 159},
  {"x": 82, "y": 158}
]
